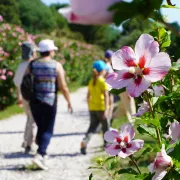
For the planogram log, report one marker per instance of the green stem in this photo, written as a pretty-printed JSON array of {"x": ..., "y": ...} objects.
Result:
[
  {"x": 134, "y": 162},
  {"x": 153, "y": 115},
  {"x": 108, "y": 173}
]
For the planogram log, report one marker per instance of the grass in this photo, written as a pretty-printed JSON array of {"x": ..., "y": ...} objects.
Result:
[
  {"x": 143, "y": 162},
  {"x": 10, "y": 111}
]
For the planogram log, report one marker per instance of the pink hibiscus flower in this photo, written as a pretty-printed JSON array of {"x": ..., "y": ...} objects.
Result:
[
  {"x": 88, "y": 11},
  {"x": 160, "y": 164},
  {"x": 174, "y": 131},
  {"x": 122, "y": 144},
  {"x": 138, "y": 70},
  {"x": 144, "y": 107}
]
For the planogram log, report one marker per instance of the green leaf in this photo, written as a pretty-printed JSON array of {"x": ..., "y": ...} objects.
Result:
[
  {"x": 154, "y": 100},
  {"x": 175, "y": 66},
  {"x": 127, "y": 171},
  {"x": 142, "y": 129},
  {"x": 112, "y": 165},
  {"x": 91, "y": 176},
  {"x": 175, "y": 153},
  {"x": 145, "y": 176},
  {"x": 109, "y": 158},
  {"x": 99, "y": 161},
  {"x": 94, "y": 167},
  {"x": 117, "y": 91}
]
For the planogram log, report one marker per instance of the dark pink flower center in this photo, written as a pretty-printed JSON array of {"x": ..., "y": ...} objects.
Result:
[
  {"x": 119, "y": 140},
  {"x": 142, "y": 62},
  {"x": 126, "y": 139},
  {"x": 146, "y": 71},
  {"x": 138, "y": 80},
  {"x": 117, "y": 147},
  {"x": 130, "y": 63},
  {"x": 73, "y": 17},
  {"x": 128, "y": 75}
]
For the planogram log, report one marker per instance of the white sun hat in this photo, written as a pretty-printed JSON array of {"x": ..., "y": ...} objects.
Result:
[{"x": 47, "y": 45}]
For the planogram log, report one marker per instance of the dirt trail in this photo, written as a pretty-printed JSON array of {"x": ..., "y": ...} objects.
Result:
[{"x": 66, "y": 163}]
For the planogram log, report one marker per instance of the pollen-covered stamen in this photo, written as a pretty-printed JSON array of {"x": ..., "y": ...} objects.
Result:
[{"x": 135, "y": 70}]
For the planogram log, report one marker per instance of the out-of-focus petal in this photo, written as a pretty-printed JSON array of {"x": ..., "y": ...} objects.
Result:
[
  {"x": 110, "y": 136},
  {"x": 119, "y": 79},
  {"x": 146, "y": 47},
  {"x": 123, "y": 58},
  {"x": 158, "y": 91},
  {"x": 174, "y": 131},
  {"x": 127, "y": 130},
  {"x": 112, "y": 149},
  {"x": 159, "y": 175},
  {"x": 89, "y": 12},
  {"x": 136, "y": 89},
  {"x": 158, "y": 67},
  {"x": 144, "y": 107}
]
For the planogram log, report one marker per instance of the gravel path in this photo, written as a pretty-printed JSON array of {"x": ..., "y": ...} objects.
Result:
[{"x": 66, "y": 163}]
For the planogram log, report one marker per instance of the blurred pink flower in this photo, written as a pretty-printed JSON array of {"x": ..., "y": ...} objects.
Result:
[
  {"x": 122, "y": 144},
  {"x": 89, "y": 11},
  {"x": 138, "y": 70},
  {"x": 158, "y": 91},
  {"x": 3, "y": 77},
  {"x": 6, "y": 54},
  {"x": 1, "y": 18},
  {"x": 160, "y": 164},
  {"x": 3, "y": 71},
  {"x": 9, "y": 73},
  {"x": 144, "y": 107},
  {"x": 174, "y": 131}
]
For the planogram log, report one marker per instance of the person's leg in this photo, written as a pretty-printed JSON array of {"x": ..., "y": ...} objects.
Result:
[
  {"x": 94, "y": 122},
  {"x": 44, "y": 116},
  {"x": 104, "y": 122}
]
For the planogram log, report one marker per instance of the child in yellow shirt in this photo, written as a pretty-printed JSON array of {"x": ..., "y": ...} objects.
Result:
[{"x": 97, "y": 99}]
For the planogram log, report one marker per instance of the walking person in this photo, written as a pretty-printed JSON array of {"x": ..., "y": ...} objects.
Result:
[
  {"x": 28, "y": 54},
  {"x": 97, "y": 99},
  {"x": 49, "y": 75}
]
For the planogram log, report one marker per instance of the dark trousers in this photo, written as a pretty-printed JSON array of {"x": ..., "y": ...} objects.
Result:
[
  {"x": 44, "y": 116},
  {"x": 96, "y": 117}
]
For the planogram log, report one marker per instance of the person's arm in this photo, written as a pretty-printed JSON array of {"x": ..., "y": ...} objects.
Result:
[
  {"x": 62, "y": 85},
  {"x": 106, "y": 99},
  {"x": 88, "y": 98}
]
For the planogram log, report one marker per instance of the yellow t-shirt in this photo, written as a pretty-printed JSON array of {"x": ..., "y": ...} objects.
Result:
[{"x": 96, "y": 101}]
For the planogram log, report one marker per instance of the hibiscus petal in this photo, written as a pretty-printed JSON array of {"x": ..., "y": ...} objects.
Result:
[
  {"x": 135, "y": 146},
  {"x": 174, "y": 130},
  {"x": 136, "y": 89},
  {"x": 110, "y": 136},
  {"x": 159, "y": 175},
  {"x": 146, "y": 47},
  {"x": 112, "y": 149},
  {"x": 119, "y": 79},
  {"x": 159, "y": 67},
  {"x": 127, "y": 130},
  {"x": 123, "y": 58},
  {"x": 89, "y": 12}
]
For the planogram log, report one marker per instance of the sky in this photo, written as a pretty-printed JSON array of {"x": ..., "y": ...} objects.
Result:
[{"x": 172, "y": 14}]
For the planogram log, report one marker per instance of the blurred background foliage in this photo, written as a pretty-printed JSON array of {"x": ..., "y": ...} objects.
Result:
[{"x": 79, "y": 45}]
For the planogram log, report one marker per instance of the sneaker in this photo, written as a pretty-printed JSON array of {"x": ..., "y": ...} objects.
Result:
[
  {"x": 83, "y": 147},
  {"x": 39, "y": 161}
]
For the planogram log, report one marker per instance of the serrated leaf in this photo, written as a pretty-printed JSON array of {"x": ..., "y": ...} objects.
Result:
[
  {"x": 127, "y": 171},
  {"x": 117, "y": 91}
]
